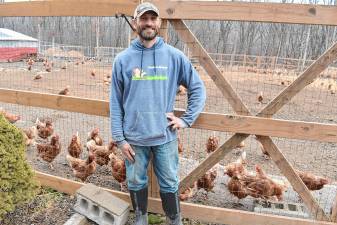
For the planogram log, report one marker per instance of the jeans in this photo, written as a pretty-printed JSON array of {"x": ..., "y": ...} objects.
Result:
[{"x": 165, "y": 164}]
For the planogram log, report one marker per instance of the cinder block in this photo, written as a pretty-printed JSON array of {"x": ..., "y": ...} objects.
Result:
[
  {"x": 77, "y": 219},
  {"x": 281, "y": 208},
  {"x": 101, "y": 206}
]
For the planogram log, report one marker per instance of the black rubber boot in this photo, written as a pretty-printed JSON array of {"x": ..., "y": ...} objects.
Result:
[
  {"x": 171, "y": 207},
  {"x": 139, "y": 203}
]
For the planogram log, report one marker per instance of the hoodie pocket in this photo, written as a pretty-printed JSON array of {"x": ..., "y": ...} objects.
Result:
[{"x": 145, "y": 125}]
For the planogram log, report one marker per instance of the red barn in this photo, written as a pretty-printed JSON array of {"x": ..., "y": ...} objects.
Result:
[{"x": 15, "y": 46}]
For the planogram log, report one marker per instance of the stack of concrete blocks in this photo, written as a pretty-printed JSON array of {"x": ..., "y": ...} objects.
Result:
[{"x": 100, "y": 206}]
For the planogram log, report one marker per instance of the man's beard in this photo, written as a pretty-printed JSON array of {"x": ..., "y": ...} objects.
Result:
[{"x": 147, "y": 37}]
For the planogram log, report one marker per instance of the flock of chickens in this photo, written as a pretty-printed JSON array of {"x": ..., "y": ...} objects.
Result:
[
  {"x": 242, "y": 182},
  {"x": 48, "y": 65},
  {"x": 98, "y": 154}
]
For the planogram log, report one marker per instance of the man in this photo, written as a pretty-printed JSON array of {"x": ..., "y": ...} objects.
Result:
[{"x": 145, "y": 79}]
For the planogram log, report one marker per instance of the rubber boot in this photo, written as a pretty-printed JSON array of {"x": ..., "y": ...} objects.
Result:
[
  {"x": 171, "y": 207},
  {"x": 139, "y": 203}
]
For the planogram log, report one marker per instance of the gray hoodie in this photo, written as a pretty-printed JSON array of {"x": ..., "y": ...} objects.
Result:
[{"x": 143, "y": 89}]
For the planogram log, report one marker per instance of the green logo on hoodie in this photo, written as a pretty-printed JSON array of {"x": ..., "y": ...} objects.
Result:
[{"x": 141, "y": 75}]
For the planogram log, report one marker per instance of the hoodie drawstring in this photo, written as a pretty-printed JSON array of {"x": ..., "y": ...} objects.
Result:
[
  {"x": 141, "y": 64},
  {"x": 154, "y": 60}
]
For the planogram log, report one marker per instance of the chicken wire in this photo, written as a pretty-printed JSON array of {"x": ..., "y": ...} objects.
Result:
[{"x": 84, "y": 67}]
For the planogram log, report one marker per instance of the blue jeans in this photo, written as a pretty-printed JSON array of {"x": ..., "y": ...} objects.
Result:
[{"x": 165, "y": 164}]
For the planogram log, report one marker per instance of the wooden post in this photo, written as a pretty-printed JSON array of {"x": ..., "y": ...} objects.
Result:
[
  {"x": 153, "y": 188},
  {"x": 164, "y": 30},
  {"x": 334, "y": 211}
]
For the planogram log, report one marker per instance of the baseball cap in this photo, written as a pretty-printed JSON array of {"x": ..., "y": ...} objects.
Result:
[{"x": 143, "y": 8}]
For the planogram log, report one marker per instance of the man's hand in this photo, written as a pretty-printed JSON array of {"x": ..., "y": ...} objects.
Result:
[
  {"x": 176, "y": 122},
  {"x": 128, "y": 153}
]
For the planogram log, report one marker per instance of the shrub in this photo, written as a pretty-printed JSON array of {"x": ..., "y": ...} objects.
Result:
[{"x": 17, "y": 183}]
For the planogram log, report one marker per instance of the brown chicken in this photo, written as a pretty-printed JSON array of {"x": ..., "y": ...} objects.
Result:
[
  {"x": 118, "y": 170},
  {"x": 44, "y": 129},
  {"x": 212, "y": 144},
  {"x": 207, "y": 181},
  {"x": 260, "y": 97},
  {"x": 237, "y": 167},
  {"x": 262, "y": 186},
  {"x": 102, "y": 152},
  {"x": 82, "y": 169},
  {"x": 48, "y": 152},
  {"x": 94, "y": 135},
  {"x": 189, "y": 192},
  {"x": 30, "y": 135},
  {"x": 181, "y": 90},
  {"x": 75, "y": 147},
  {"x": 38, "y": 77},
  {"x": 312, "y": 181},
  {"x": 93, "y": 73},
  {"x": 237, "y": 188},
  {"x": 180, "y": 144},
  {"x": 65, "y": 91},
  {"x": 9, "y": 116}
]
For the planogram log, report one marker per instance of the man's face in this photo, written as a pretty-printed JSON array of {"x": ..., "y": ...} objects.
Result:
[{"x": 147, "y": 26}]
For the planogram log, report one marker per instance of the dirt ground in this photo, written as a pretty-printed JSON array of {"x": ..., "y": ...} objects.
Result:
[{"x": 316, "y": 103}]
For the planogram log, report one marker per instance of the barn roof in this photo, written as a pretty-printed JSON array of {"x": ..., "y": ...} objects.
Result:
[{"x": 10, "y": 35}]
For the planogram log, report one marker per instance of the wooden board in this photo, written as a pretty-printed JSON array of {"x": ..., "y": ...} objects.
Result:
[
  {"x": 189, "y": 210},
  {"x": 196, "y": 10},
  {"x": 208, "y": 121},
  {"x": 68, "y": 8},
  {"x": 334, "y": 211}
]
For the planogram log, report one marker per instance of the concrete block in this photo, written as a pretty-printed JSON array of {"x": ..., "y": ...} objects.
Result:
[
  {"x": 101, "y": 206},
  {"x": 77, "y": 219},
  {"x": 281, "y": 208}
]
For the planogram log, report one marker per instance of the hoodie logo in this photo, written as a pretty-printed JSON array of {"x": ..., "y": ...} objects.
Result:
[
  {"x": 142, "y": 75},
  {"x": 136, "y": 73}
]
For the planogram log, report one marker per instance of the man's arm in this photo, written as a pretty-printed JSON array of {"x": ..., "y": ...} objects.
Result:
[
  {"x": 196, "y": 92},
  {"x": 116, "y": 104}
]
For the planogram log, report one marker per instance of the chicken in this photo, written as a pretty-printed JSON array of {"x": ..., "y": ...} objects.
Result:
[
  {"x": 212, "y": 144},
  {"x": 12, "y": 118},
  {"x": 38, "y": 77},
  {"x": 312, "y": 181},
  {"x": 265, "y": 153},
  {"x": 207, "y": 181},
  {"x": 30, "y": 62},
  {"x": 180, "y": 145},
  {"x": 188, "y": 193},
  {"x": 30, "y": 135},
  {"x": 236, "y": 188},
  {"x": 262, "y": 186},
  {"x": 75, "y": 147},
  {"x": 94, "y": 135},
  {"x": 64, "y": 67},
  {"x": 260, "y": 97},
  {"x": 48, "y": 152},
  {"x": 82, "y": 169},
  {"x": 102, "y": 152},
  {"x": 48, "y": 68},
  {"x": 45, "y": 129},
  {"x": 29, "y": 68},
  {"x": 181, "y": 90},
  {"x": 237, "y": 167},
  {"x": 93, "y": 73},
  {"x": 65, "y": 91},
  {"x": 118, "y": 170}
]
